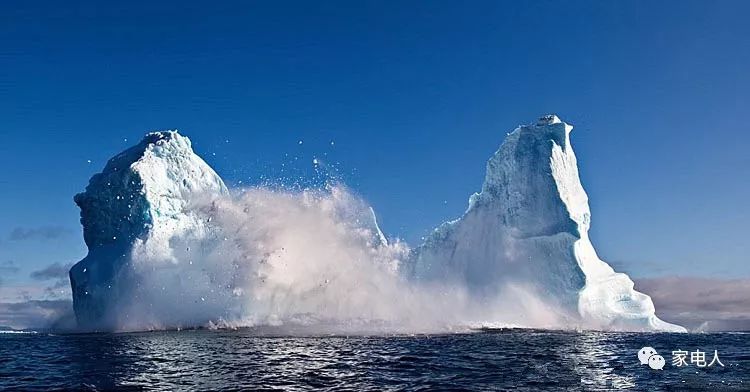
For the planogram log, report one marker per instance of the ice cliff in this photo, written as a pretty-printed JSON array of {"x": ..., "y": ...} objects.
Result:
[
  {"x": 529, "y": 226},
  {"x": 130, "y": 210}
]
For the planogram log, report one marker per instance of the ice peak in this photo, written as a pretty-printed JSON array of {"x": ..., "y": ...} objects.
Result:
[
  {"x": 137, "y": 201},
  {"x": 548, "y": 119},
  {"x": 529, "y": 226},
  {"x": 155, "y": 136},
  {"x": 160, "y": 138},
  {"x": 166, "y": 135}
]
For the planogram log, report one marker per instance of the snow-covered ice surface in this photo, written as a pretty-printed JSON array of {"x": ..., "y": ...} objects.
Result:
[
  {"x": 528, "y": 227},
  {"x": 171, "y": 247}
]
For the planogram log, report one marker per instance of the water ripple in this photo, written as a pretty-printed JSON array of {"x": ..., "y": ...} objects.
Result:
[{"x": 510, "y": 360}]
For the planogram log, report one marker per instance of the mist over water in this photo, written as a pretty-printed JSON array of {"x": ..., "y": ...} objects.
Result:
[{"x": 313, "y": 258}]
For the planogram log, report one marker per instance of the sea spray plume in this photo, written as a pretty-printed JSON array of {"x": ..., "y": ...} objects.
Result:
[
  {"x": 318, "y": 257},
  {"x": 314, "y": 258},
  {"x": 277, "y": 256}
]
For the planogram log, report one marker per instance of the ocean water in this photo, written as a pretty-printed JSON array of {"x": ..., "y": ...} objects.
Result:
[{"x": 512, "y": 360}]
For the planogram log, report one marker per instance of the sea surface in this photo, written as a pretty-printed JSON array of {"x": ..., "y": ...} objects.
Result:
[{"x": 508, "y": 360}]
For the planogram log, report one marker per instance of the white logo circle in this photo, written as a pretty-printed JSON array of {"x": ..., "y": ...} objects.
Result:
[
  {"x": 644, "y": 353},
  {"x": 656, "y": 362}
]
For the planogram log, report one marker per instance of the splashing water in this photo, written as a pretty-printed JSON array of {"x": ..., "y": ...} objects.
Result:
[{"x": 311, "y": 257}]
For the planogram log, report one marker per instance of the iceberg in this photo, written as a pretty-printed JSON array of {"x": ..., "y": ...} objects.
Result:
[
  {"x": 170, "y": 247},
  {"x": 529, "y": 226},
  {"x": 134, "y": 207}
]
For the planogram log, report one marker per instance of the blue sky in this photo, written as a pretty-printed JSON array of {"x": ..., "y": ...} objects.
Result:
[{"x": 415, "y": 96}]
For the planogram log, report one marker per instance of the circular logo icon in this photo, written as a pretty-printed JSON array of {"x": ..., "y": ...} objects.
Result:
[
  {"x": 644, "y": 354},
  {"x": 656, "y": 362}
]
